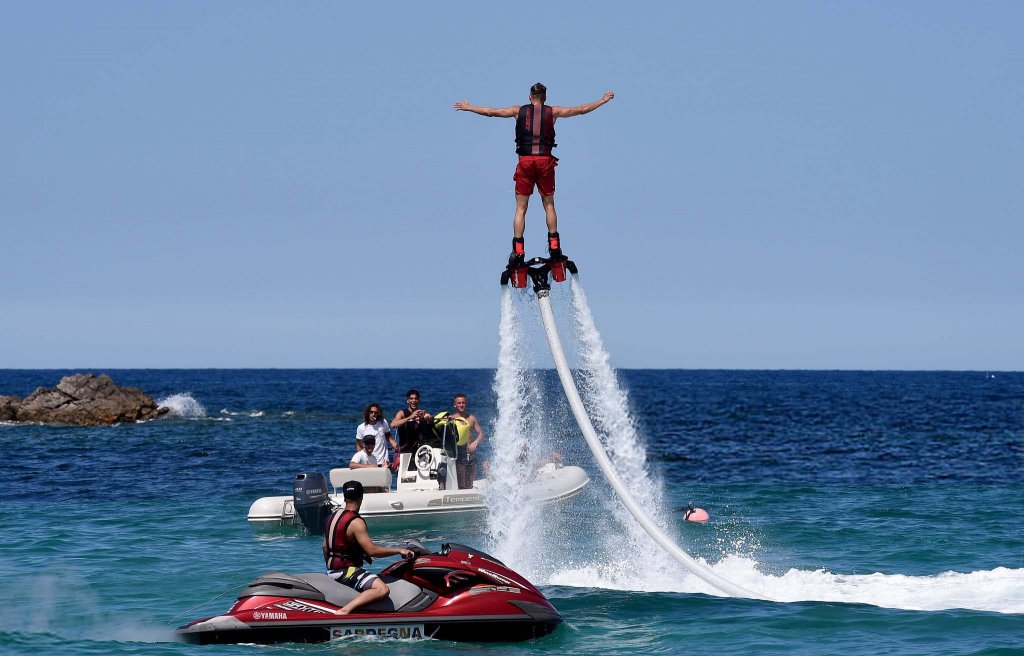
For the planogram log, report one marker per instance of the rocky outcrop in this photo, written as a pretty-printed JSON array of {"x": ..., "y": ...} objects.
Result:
[
  {"x": 81, "y": 400},
  {"x": 8, "y": 405}
]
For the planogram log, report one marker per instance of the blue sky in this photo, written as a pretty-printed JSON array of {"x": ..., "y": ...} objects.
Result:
[{"x": 254, "y": 184}]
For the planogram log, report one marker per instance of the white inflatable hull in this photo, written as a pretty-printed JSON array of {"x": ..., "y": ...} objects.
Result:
[{"x": 550, "y": 484}]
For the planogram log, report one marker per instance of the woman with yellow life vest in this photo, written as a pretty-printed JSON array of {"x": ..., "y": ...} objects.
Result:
[{"x": 465, "y": 424}]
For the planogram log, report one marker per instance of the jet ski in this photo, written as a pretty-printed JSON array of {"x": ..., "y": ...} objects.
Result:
[{"x": 458, "y": 593}]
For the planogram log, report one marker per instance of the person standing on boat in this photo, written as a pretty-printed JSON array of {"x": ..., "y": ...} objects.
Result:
[
  {"x": 376, "y": 425},
  {"x": 535, "y": 137},
  {"x": 465, "y": 423},
  {"x": 347, "y": 546},
  {"x": 415, "y": 426},
  {"x": 363, "y": 458}
]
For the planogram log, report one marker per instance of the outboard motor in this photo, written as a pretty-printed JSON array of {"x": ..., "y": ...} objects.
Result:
[{"x": 310, "y": 501}]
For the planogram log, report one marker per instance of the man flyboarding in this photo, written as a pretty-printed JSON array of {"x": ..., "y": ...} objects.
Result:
[{"x": 535, "y": 137}]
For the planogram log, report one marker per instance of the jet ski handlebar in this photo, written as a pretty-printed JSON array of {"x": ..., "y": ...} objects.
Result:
[{"x": 417, "y": 548}]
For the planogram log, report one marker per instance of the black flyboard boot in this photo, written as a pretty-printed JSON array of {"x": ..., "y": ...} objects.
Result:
[
  {"x": 554, "y": 247},
  {"x": 555, "y": 258}
]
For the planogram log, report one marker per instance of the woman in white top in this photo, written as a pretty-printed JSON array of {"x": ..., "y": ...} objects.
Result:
[{"x": 375, "y": 424}]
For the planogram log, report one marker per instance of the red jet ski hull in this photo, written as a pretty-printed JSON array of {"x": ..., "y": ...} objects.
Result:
[{"x": 460, "y": 594}]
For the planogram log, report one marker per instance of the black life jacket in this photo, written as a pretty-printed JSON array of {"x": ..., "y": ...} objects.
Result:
[
  {"x": 341, "y": 552},
  {"x": 413, "y": 434},
  {"x": 535, "y": 137}
]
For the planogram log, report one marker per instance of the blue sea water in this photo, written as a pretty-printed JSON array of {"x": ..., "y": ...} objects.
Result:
[{"x": 882, "y": 510}]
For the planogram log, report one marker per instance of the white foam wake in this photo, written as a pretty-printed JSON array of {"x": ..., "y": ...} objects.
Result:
[
  {"x": 1000, "y": 590},
  {"x": 183, "y": 405},
  {"x": 248, "y": 413}
]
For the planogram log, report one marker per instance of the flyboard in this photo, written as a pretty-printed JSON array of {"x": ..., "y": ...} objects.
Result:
[{"x": 536, "y": 271}]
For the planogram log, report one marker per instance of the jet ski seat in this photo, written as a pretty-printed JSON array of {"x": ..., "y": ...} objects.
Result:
[{"x": 405, "y": 596}]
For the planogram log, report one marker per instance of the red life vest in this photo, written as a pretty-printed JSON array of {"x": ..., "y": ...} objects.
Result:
[
  {"x": 341, "y": 552},
  {"x": 535, "y": 137}
]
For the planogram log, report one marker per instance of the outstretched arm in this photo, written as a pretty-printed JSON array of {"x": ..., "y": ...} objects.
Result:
[
  {"x": 566, "y": 112},
  {"x": 505, "y": 112}
]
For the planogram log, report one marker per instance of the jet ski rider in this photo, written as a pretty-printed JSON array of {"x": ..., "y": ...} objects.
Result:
[{"x": 347, "y": 546}]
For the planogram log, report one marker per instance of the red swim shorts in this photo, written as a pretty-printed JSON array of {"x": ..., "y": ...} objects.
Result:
[{"x": 535, "y": 170}]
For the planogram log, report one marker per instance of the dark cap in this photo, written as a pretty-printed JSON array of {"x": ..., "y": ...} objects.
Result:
[{"x": 353, "y": 490}]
